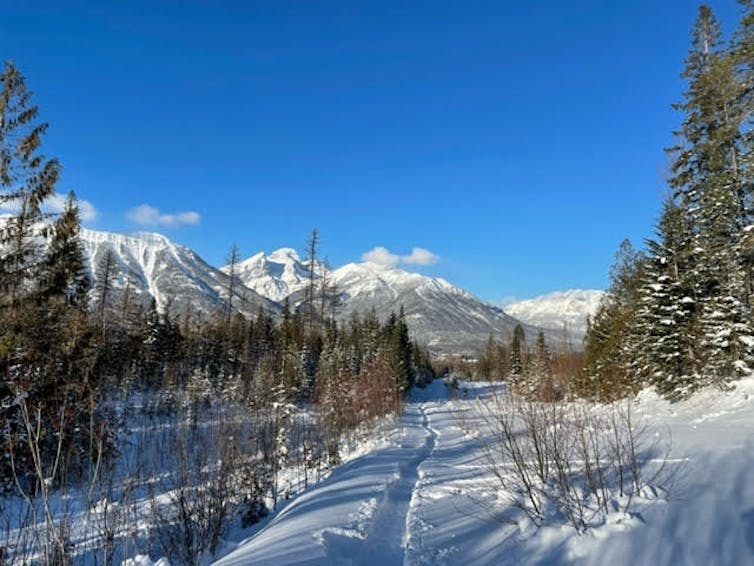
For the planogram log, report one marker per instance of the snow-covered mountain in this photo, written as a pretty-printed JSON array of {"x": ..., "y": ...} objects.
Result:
[
  {"x": 570, "y": 308},
  {"x": 151, "y": 265},
  {"x": 445, "y": 318},
  {"x": 275, "y": 276}
]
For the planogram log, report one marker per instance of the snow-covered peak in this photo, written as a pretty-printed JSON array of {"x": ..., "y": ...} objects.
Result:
[
  {"x": 275, "y": 276},
  {"x": 355, "y": 278},
  {"x": 555, "y": 309},
  {"x": 135, "y": 239},
  {"x": 285, "y": 255}
]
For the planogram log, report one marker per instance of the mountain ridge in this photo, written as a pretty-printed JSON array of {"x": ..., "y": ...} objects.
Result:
[{"x": 445, "y": 318}]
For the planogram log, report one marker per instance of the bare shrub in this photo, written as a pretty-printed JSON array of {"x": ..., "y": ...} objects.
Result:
[{"x": 568, "y": 462}]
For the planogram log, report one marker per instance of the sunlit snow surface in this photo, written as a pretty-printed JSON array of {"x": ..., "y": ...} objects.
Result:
[{"x": 425, "y": 498}]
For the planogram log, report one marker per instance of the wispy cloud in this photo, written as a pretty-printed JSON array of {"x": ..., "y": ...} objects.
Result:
[
  {"x": 56, "y": 204},
  {"x": 87, "y": 211},
  {"x": 146, "y": 215},
  {"x": 383, "y": 256}
]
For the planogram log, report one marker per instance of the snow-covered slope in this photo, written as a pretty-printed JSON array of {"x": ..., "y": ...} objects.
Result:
[
  {"x": 275, "y": 276},
  {"x": 151, "y": 265},
  {"x": 570, "y": 308}
]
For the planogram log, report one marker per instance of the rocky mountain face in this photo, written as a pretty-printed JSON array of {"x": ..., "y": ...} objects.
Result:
[
  {"x": 554, "y": 310},
  {"x": 152, "y": 266},
  {"x": 446, "y": 319}
]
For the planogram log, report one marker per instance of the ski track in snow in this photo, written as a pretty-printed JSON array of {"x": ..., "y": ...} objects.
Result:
[
  {"x": 384, "y": 540},
  {"x": 368, "y": 506}
]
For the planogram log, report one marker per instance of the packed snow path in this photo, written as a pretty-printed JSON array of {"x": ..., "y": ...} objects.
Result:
[{"x": 365, "y": 512}]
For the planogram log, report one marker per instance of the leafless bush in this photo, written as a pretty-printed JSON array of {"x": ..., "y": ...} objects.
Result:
[
  {"x": 192, "y": 516},
  {"x": 49, "y": 527},
  {"x": 568, "y": 462}
]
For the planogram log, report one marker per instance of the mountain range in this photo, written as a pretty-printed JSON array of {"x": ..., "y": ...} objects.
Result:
[{"x": 445, "y": 318}]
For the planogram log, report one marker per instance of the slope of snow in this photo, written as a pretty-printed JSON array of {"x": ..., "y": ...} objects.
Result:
[
  {"x": 569, "y": 308},
  {"x": 426, "y": 498}
]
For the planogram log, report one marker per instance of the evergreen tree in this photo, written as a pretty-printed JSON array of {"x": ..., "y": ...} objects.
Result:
[
  {"x": 105, "y": 274},
  {"x": 233, "y": 282},
  {"x": 27, "y": 179},
  {"x": 400, "y": 348},
  {"x": 710, "y": 181},
  {"x": 518, "y": 344},
  {"x": 611, "y": 340},
  {"x": 63, "y": 271},
  {"x": 539, "y": 375},
  {"x": 669, "y": 355},
  {"x": 310, "y": 303}
]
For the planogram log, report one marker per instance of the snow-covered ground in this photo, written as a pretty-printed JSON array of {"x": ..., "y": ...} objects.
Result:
[
  {"x": 419, "y": 492},
  {"x": 426, "y": 497}
]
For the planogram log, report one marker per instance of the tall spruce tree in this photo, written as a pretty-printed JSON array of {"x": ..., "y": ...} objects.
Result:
[
  {"x": 668, "y": 354},
  {"x": 611, "y": 341},
  {"x": 27, "y": 179},
  {"x": 710, "y": 182}
]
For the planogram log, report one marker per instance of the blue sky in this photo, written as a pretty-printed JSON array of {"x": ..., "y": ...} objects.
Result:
[{"x": 518, "y": 142}]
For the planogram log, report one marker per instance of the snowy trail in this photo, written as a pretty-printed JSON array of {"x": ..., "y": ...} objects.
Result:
[
  {"x": 386, "y": 537},
  {"x": 426, "y": 499},
  {"x": 362, "y": 514}
]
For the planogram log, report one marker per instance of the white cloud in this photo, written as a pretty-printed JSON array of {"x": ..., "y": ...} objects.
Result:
[
  {"x": 146, "y": 215},
  {"x": 381, "y": 256},
  {"x": 87, "y": 212},
  {"x": 56, "y": 204},
  {"x": 420, "y": 256}
]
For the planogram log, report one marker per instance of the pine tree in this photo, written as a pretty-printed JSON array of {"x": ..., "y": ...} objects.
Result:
[
  {"x": 668, "y": 355},
  {"x": 233, "y": 282},
  {"x": 539, "y": 375},
  {"x": 105, "y": 274},
  {"x": 612, "y": 336},
  {"x": 710, "y": 181},
  {"x": 310, "y": 303},
  {"x": 400, "y": 348},
  {"x": 63, "y": 270},
  {"x": 518, "y": 345},
  {"x": 27, "y": 179}
]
